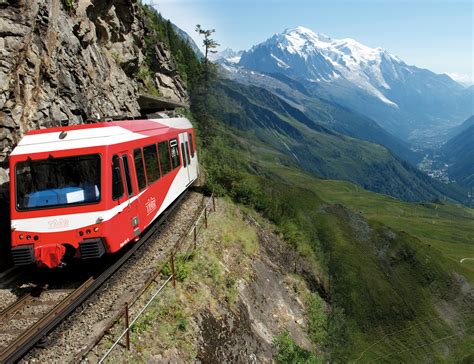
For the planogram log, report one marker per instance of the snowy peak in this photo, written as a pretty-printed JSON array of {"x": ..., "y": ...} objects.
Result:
[
  {"x": 227, "y": 55},
  {"x": 301, "y": 40},
  {"x": 315, "y": 57},
  {"x": 300, "y": 30}
]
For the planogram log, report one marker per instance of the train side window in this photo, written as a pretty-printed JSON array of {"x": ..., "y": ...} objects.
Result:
[
  {"x": 183, "y": 153},
  {"x": 174, "y": 153},
  {"x": 187, "y": 153},
  {"x": 165, "y": 160},
  {"x": 128, "y": 179},
  {"x": 191, "y": 144},
  {"x": 117, "y": 183},
  {"x": 151, "y": 163},
  {"x": 139, "y": 168}
]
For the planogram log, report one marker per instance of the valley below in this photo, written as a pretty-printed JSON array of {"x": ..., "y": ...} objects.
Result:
[{"x": 434, "y": 167}]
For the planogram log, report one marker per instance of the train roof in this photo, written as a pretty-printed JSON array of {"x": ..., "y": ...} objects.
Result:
[{"x": 96, "y": 135}]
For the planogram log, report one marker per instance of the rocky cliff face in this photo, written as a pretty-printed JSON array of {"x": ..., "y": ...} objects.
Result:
[
  {"x": 75, "y": 60},
  {"x": 78, "y": 62}
]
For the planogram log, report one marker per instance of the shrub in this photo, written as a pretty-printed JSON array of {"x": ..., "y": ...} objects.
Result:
[
  {"x": 290, "y": 352},
  {"x": 68, "y": 5}
]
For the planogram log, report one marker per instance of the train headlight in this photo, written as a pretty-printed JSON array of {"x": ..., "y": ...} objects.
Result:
[
  {"x": 96, "y": 229},
  {"x": 21, "y": 236},
  {"x": 28, "y": 237}
]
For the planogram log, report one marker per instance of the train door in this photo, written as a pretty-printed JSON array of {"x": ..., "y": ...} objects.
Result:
[
  {"x": 123, "y": 228},
  {"x": 132, "y": 203},
  {"x": 184, "y": 142},
  {"x": 142, "y": 184},
  {"x": 194, "y": 165}
]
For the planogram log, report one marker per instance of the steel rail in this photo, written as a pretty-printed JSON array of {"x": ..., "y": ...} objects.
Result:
[
  {"x": 23, "y": 343},
  {"x": 14, "y": 307}
]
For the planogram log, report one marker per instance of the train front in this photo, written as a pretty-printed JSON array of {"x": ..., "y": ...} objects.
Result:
[{"x": 55, "y": 203}]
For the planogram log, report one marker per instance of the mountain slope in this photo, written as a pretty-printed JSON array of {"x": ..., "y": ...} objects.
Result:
[
  {"x": 461, "y": 128},
  {"x": 459, "y": 155},
  {"x": 267, "y": 119},
  {"x": 407, "y": 101},
  {"x": 187, "y": 38},
  {"x": 327, "y": 113},
  {"x": 389, "y": 270}
]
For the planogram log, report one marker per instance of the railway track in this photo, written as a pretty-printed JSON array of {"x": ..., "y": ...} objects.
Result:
[{"x": 35, "y": 314}]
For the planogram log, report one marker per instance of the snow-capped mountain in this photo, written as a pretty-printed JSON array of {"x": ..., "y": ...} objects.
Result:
[
  {"x": 227, "y": 55},
  {"x": 316, "y": 57},
  {"x": 408, "y": 101}
]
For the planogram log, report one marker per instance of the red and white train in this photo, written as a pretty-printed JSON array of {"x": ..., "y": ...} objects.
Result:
[{"x": 83, "y": 191}]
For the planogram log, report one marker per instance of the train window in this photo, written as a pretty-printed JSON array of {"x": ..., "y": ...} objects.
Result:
[
  {"x": 174, "y": 153},
  {"x": 57, "y": 182},
  {"x": 128, "y": 179},
  {"x": 151, "y": 163},
  {"x": 139, "y": 168},
  {"x": 165, "y": 160},
  {"x": 183, "y": 154},
  {"x": 117, "y": 183},
  {"x": 191, "y": 144},
  {"x": 187, "y": 153}
]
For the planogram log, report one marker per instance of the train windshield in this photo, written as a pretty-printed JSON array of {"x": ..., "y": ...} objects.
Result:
[{"x": 57, "y": 182}]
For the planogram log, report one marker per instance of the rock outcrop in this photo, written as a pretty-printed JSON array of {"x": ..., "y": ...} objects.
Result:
[
  {"x": 72, "y": 63},
  {"x": 75, "y": 60}
]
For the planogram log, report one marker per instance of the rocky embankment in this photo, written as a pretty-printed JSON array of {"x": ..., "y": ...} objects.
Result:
[
  {"x": 76, "y": 60},
  {"x": 239, "y": 292}
]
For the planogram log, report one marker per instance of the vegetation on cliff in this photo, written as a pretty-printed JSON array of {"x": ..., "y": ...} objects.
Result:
[
  {"x": 220, "y": 310},
  {"x": 160, "y": 30}
]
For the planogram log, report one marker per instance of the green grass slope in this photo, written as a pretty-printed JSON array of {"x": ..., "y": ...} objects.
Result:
[{"x": 390, "y": 269}]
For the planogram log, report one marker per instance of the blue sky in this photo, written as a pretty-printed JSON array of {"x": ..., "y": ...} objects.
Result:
[{"x": 433, "y": 34}]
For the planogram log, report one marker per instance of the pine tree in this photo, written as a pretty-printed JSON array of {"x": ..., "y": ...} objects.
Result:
[{"x": 209, "y": 44}]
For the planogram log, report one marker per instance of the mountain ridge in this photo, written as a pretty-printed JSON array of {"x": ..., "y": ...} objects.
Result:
[
  {"x": 261, "y": 116},
  {"x": 326, "y": 112}
]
